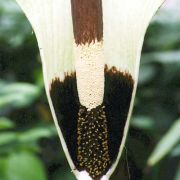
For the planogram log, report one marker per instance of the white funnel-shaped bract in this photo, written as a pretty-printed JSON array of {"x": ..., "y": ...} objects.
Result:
[{"x": 124, "y": 26}]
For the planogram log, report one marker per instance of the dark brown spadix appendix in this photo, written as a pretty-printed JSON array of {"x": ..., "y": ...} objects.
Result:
[{"x": 87, "y": 20}]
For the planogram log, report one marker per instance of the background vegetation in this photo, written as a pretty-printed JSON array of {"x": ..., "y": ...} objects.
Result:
[{"x": 29, "y": 145}]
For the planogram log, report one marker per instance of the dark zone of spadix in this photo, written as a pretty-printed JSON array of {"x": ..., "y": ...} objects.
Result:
[
  {"x": 87, "y": 20},
  {"x": 117, "y": 97}
]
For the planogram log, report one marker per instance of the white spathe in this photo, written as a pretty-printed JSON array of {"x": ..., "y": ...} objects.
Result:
[
  {"x": 124, "y": 26},
  {"x": 52, "y": 23}
]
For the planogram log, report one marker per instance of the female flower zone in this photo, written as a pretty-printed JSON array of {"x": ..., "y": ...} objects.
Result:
[{"x": 90, "y": 52}]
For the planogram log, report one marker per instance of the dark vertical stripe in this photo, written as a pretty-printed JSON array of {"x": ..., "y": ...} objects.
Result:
[
  {"x": 65, "y": 100},
  {"x": 87, "y": 20},
  {"x": 117, "y": 97}
]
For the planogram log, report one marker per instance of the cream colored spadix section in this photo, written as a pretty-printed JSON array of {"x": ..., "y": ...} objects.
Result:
[
  {"x": 89, "y": 63},
  {"x": 52, "y": 23},
  {"x": 125, "y": 23}
]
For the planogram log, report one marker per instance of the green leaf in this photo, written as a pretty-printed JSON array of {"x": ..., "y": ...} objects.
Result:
[
  {"x": 6, "y": 123},
  {"x": 142, "y": 122},
  {"x": 177, "y": 176},
  {"x": 176, "y": 151},
  {"x": 2, "y": 167},
  {"x": 24, "y": 166},
  {"x": 7, "y": 137},
  {"x": 12, "y": 22},
  {"x": 161, "y": 57},
  {"x": 37, "y": 133},
  {"x": 18, "y": 95},
  {"x": 146, "y": 73},
  {"x": 64, "y": 173},
  {"x": 170, "y": 139}
]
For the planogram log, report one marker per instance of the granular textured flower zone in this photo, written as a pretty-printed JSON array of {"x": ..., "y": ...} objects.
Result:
[{"x": 92, "y": 140}]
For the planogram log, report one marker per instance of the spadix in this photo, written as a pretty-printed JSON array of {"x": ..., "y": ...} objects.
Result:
[{"x": 90, "y": 52}]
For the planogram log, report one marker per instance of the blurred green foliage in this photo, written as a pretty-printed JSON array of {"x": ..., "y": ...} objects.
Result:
[{"x": 29, "y": 145}]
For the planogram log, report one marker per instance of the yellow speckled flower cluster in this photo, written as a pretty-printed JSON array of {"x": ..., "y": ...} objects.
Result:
[{"x": 93, "y": 155}]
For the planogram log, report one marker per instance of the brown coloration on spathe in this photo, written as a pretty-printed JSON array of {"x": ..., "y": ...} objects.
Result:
[
  {"x": 87, "y": 20},
  {"x": 113, "y": 71},
  {"x": 117, "y": 97},
  {"x": 65, "y": 101},
  {"x": 111, "y": 115},
  {"x": 92, "y": 134}
]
